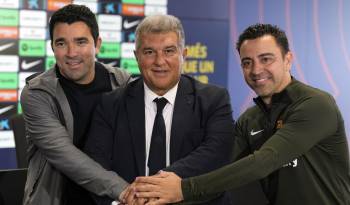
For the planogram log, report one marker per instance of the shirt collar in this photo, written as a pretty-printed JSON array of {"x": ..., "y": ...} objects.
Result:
[{"x": 150, "y": 95}]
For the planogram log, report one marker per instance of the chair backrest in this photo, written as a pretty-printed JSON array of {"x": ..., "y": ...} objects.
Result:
[
  {"x": 18, "y": 127},
  {"x": 12, "y": 184}
]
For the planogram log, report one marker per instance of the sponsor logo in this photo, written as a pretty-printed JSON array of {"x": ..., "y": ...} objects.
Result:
[
  {"x": 109, "y": 50},
  {"x": 8, "y": 63},
  {"x": 8, "y": 17},
  {"x": 111, "y": 36},
  {"x": 293, "y": 163},
  {"x": 109, "y": 8},
  {"x": 130, "y": 65},
  {"x": 32, "y": 33},
  {"x": 9, "y": 32},
  {"x": 11, "y": 4},
  {"x": 4, "y": 124},
  {"x": 32, "y": 18},
  {"x": 7, "y": 139},
  {"x": 26, "y": 66},
  {"x": 90, "y": 4},
  {"x": 252, "y": 133},
  {"x": 157, "y": 2},
  {"x": 110, "y": 22},
  {"x": 129, "y": 36},
  {"x": 134, "y": 1},
  {"x": 53, "y": 5},
  {"x": 128, "y": 24},
  {"x": 152, "y": 10},
  {"x": 8, "y": 80},
  {"x": 32, "y": 64},
  {"x": 32, "y": 48},
  {"x": 8, "y": 47},
  {"x": 133, "y": 10},
  {"x": 49, "y": 62},
  {"x": 128, "y": 50},
  {"x": 5, "y": 109},
  {"x": 111, "y": 62},
  {"x": 8, "y": 95},
  {"x": 33, "y": 4}
]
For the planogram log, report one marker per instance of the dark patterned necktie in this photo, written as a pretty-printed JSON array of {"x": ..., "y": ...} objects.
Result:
[{"x": 157, "y": 152}]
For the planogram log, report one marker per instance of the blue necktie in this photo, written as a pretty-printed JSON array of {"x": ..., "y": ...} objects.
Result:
[{"x": 157, "y": 152}]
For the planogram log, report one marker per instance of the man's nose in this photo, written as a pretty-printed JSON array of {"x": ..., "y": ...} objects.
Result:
[
  {"x": 257, "y": 67},
  {"x": 160, "y": 58},
  {"x": 71, "y": 50}
]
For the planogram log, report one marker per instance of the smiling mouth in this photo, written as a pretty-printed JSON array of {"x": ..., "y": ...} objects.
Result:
[
  {"x": 260, "y": 80},
  {"x": 160, "y": 71},
  {"x": 73, "y": 63}
]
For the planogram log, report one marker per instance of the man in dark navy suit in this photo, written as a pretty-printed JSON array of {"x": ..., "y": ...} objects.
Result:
[{"x": 162, "y": 120}]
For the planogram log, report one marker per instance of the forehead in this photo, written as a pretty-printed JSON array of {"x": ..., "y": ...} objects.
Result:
[
  {"x": 258, "y": 46},
  {"x": 75, "y": 29},
  {"x": 155, "y": 40}
]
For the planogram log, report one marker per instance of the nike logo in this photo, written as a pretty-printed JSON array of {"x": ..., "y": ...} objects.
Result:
[
  {"x": 113, "y": 63},
  {"x": 293, "y": 163},
  {"x": 252, "y": 133},
  {"x": 6, "y": 46},
  {"x": 128, "y": 24},
  {"x": 26, "y": 66},
  {"x": 5, "y": 109}
]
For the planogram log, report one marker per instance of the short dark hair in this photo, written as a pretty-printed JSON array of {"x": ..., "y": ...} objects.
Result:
[
  {"x": 258, "y": 30},
  {"x": 72, "y": 13}
]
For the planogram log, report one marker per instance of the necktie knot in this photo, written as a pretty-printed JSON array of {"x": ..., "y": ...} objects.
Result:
[{"x": 161, "y": 102}]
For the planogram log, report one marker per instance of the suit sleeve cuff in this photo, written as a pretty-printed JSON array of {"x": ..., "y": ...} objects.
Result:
[{"x": 187, "y": 189}]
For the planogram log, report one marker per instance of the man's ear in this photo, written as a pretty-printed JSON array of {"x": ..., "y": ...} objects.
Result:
[
  {"x": 184, "y": 53},
  {"x": 98, "y": 44},
  {"x": 288, "y": 59}
]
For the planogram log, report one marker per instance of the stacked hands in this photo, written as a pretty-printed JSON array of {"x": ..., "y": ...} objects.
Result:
[{"x": 162, "y": 188}]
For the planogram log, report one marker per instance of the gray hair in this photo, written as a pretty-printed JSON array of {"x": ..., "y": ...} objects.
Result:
[{"x": 160, "y": 24}]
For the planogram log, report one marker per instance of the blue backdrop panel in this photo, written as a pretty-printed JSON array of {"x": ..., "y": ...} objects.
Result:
[
  {"x": 8, "y": 158},
  {"x": 207, "y": 57}
]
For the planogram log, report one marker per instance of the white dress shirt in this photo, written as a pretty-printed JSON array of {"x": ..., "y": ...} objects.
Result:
[{"x": 150, "y": 114}]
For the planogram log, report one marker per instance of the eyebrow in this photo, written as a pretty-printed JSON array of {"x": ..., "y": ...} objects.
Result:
[
  {"x": 166, "y": 47},
  {"x": 59, "y": 39},
  {"x": 75, "y": 39},
  {"x": 80, "y": 39},
  {"x": 246, "y": 58},
  {"x": 266, "y": 54},
  {"x": 259, "y": 56}
]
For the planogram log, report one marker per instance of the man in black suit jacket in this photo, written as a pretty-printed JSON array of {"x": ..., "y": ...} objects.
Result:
[{"x": 197, "y": 117}]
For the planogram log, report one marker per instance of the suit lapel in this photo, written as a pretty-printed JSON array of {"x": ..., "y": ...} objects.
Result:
[
  {"x": 136, "y": 119},
  {"x": 182, "y": 116}
]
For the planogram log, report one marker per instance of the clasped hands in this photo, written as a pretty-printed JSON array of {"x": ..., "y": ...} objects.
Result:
[{"x": 162, "y": 188}]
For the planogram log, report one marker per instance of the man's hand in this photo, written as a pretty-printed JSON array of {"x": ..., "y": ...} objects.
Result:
[
  {"x": 128, "y": 196},
  {"x": 165, "y": 187},
  {"x": 126, "y": 193}
]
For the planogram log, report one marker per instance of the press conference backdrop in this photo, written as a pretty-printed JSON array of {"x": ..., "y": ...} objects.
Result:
[
  {"x": 25, "y": 46},
  {"x": 318, "y": 30}
]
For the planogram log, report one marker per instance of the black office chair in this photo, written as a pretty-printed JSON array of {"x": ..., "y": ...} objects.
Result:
[
  {"x": 12, "y": 184},
  {"x": 18, "y": 127}
]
